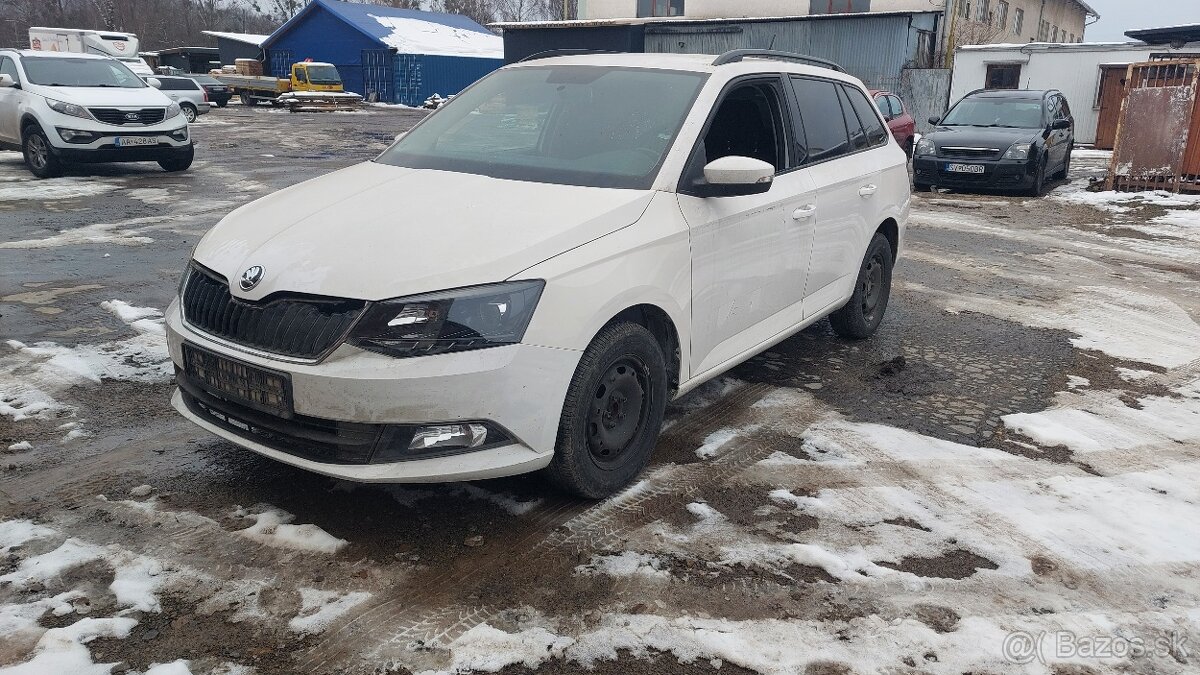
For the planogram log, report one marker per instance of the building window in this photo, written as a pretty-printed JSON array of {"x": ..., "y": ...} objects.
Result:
[
  {"x": 1072, "y": 37},
  {"x": 838, "y": 6},
  {"x": 660, "y": 8},
  {"x": 1002, "y": 15},
  {"x": 964, "y": 8},
  {"x": 1003, "y": 76},
  {"x": 1018, "y": 21},
  {"x": 983, "y": 15}
]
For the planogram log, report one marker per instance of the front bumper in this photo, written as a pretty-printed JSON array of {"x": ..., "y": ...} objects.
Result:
[
  {"x": 111, "y": 153},
  {"x": 997, "y": 173},
  {"x": 520, "y": 389}
]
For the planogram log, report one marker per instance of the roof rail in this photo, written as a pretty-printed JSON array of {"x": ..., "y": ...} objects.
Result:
[
  {"x": 739, "y": 54},
  {"x": 551, "y": 53}
]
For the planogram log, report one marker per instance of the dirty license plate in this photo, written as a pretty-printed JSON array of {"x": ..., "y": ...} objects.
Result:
[
  {"x": 257, "y": 387},
  {"x": 131, "y": 141},
  {"x": 965, "y": 168}
]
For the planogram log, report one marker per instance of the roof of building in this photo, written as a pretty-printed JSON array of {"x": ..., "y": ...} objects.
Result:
[
  {"x": 1167, "y": 34},
  {"x": 1029, "y": 47},
  {"x": 669, "y": 20},
  {"x": 246, "y": 38},
  {"x": 409, "y": 31}
]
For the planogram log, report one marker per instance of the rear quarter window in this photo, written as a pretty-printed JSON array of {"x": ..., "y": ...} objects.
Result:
[
  {"x": 821, "y": 114},
  {"x": 871, "y": 124}
]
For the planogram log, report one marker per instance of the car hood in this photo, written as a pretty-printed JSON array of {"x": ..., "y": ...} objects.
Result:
[
  {"x": 981, "y": 137},
  {"x": 106, "y": 97},
  {"x": 375, "y": 231}
]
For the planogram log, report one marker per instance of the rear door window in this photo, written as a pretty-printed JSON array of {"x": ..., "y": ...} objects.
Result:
[
  {"x": 871, "y": 124},
  {"x": 897, "y": 106},
  {"x": 823, "y": 122},
  {"x": 858, "y": 136},
  {"x": 885, "y": 105}
]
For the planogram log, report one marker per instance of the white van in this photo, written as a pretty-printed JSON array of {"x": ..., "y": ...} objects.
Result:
[{"x": 120, "y": 46}]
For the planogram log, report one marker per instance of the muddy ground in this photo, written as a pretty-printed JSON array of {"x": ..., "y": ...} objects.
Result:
[{"x": 975, "y": 332}]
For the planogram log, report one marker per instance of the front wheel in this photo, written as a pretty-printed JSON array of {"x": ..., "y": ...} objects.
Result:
[
  {"x": 1066, "y": 167},
  {"x": 179, "y": 162},
  {"x": 1039, "y": 180},
  {"x": 189, "y": 113},
  {"x": 247, "y": 99},
  {"x": 859, "y": 318},
  {"x": 613, "y": 413},
  {"x": 39, "y": 157}
]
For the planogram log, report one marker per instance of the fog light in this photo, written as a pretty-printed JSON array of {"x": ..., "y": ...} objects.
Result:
[
  {"x": 76, "y": 136},
  {"x": 180, "y": 134},
  {"x": 450, "y": 436}
]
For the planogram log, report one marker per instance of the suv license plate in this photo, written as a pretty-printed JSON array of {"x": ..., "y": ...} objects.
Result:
[
  {"x": 130, "y": 141},
  {"x": 259, "y": 388},
  {"x": 965, "y": 168}
]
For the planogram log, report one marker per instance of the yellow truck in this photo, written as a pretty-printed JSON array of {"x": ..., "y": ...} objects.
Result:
[{"x": 312, "y": 86}]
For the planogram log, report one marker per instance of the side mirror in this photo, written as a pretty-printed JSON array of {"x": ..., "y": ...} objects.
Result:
[
  {"x": 1060, "y": 124},
  {"x": 7, "y": 81},
  {"x": 154, "y": 82},
  {"x": 736, "y": 176},
  {"x": 935, "y": 120}
]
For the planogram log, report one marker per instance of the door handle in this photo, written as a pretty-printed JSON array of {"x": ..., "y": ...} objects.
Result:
[
  {"x": 867, "y": 190},
  {"x": 804, "y": 212}
]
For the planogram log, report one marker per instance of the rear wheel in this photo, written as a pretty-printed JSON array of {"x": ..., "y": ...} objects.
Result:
[
  {"x": 613, "y": 413},
  {"x": 859, "y": 318},
  {"x": 179, "y": 162},
  {"x": 189, "y": 112},
  {"x": 39, "y": 158},
  {"x": 222, "y": 104},
  {"x": 1066, "y": 168},
  {"x": 921, "y": 187},
  {"x": 247, "y": 99}
]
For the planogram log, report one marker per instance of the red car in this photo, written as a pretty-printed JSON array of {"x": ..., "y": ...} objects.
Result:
[{"x": 903, "y": 126}]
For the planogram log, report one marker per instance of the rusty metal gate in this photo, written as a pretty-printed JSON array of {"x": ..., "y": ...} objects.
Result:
[{"x": 1158, "y": 136}]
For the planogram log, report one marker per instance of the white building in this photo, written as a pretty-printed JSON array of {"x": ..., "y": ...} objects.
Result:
[
  {"x": 964, "y": 21},
  {"x": 1083, "y": 72}
]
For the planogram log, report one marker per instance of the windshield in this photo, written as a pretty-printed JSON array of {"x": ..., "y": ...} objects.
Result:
[
  {"x": 996, "y": 112},
  {"x": 323, "y": 75},
  {"x": 574, "y": 125},
  {"x": 67, "y": 72}
]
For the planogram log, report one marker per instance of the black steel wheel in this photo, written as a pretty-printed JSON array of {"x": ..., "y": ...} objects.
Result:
[
  {"x": 860, "y": 317},
  {"x": 1066, "y": 167},
  {"x": 612, "y": 414},
  {"x": 1039, "y": 179}
]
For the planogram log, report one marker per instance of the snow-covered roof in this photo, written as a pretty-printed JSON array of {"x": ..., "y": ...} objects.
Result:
[
  {"x": 247, "y": 38},
  {"x": 409, "y": 31},
  {"x": 1056, "y": 46},
  {"x": 673, "y": 20}
]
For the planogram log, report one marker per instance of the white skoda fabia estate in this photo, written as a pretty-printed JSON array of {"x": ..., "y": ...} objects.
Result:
[{"x": 525, "y": 279}]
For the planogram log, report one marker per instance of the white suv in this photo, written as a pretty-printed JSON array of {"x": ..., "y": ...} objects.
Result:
[
  {"x": 526, "y": 278},
  {"x": 60, "y": 109}
]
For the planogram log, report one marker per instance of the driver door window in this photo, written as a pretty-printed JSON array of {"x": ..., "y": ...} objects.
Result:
[
  {"x": 301, "y": 76},
  {"x": 749, "y": 123}
]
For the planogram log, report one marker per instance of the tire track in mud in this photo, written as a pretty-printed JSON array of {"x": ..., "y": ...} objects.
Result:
[{"x": 429, "y": 611}]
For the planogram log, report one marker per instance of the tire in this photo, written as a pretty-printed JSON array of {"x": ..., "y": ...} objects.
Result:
[
  {"x": 908, "y": 148},
  {"x": 600, "y": 447},
  {"x": 247, "y": 99},
  {"x": 1039, "y": 180},
  {"x": 859, "y": 318},
  {"x": 222, "y": 104},
  {"x": 39, "y": 158},
  {"x": 922, "y": 187},
  {"x": 189, "y": 112},
  {"x": 179, "y": 163},
  {"x": 1066, "y": 168}
]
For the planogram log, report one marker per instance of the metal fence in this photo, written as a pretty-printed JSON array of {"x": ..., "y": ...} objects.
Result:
[{"x": 1158, "y": 136}]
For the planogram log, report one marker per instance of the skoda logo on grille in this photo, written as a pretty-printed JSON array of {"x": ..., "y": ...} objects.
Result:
[
  {"x": 251, "y": 277},
  {"x": 132, "y": 116}
]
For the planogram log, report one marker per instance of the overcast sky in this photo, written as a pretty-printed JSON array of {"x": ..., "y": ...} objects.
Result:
[{"x": 1118, "y": 16}]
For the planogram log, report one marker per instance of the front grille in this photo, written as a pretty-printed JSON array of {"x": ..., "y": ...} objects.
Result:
[
  {"x": 140, "y": 117},
  {"x": 305, "y": 327},
  {"x": 971, "y": 153}
]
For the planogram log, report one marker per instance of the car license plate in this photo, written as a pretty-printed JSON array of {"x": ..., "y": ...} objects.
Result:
[
  {"x": 131, "y": 141},
  {"x": 257, "y": 387},
  {"x": 965, "y": 168}
]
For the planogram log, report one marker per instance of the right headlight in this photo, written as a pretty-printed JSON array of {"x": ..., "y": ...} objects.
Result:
[
  {"x": 68, "y": 109},
  {"x": 172, "y": 110},
  {"x": 925, "y": 146},
  {"x": 1018, "y": 151},
  {"x": 449, "y": 321}
]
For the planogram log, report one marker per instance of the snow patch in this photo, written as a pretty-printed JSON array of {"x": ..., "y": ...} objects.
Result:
[
  {"x": 1100, "y": 422},
  {"x": 624, "y": 564},
  {"x": 714, "y": 441},
  {"x": 274, "y": 527},
  {"x": 487, "y": 649},
  {"x": 62, "y": 650},
  {"x": 17, "y": 532},
  {"x": 318, "y": 608},
  {"x": 53, "y": 189},
  {"x": 414, "y": 36}
]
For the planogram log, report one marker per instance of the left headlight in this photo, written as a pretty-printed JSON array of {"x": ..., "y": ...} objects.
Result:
[
  {"x": 68, "y": 109},
  {"x": 925, "y": 147},
  {"x": 1018, "y": 151},
  {"x": 172, "y": 110},
  {"x": 449, "y": 321}
]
